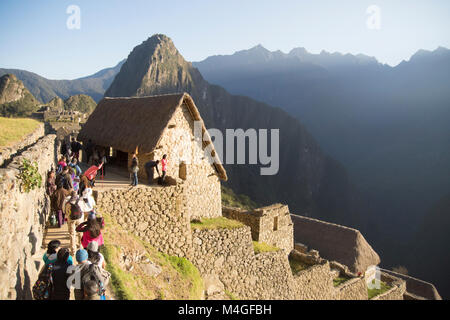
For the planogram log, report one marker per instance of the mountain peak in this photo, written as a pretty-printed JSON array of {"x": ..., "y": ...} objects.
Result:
[
  {"x": 153, "y": 67},
  {"x": 15, "y": 99}
]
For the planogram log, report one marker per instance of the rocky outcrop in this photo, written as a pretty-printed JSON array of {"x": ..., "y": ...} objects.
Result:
[{"x": 15, "y": 99}]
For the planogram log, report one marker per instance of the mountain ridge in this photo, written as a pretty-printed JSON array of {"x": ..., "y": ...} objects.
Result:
[{"x": 156, "y": 67}]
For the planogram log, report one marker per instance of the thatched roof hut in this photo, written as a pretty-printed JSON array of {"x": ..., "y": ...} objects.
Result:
[
  {"x": 127, "y": 123},
  {"x": 334, "y": 242}
]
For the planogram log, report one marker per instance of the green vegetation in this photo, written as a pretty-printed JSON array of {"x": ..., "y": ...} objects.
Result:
[
  {"x": 17, "y": 100},
  {"x": 260, "y": 247},
  {"x": 375, "y": 292},
  {"x": 340, "y": 280},
  {"x": 13, "y": 130},
  {"x": 29, "y": 176},
  {"x": 81, "y": 103},
  {"x": 230, "y": 199},
  {"x": 297, "y": 266},
  {"x": 120, "y": 280},
  {"x": 179, "y": 278},
  {"x": 216, "y": 223},
  {"x": 231, "y": 295},
  {"x": 190, "y": 273}
]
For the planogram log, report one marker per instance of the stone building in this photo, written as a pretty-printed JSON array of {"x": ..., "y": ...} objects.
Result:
[
  {"x": 271, "y": 224},
  {"x": 154, "y": 126},
  {"x": 335, "y": 242}
]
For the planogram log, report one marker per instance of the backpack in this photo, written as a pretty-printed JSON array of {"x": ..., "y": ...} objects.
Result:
[
  {"x": 53, "y": 220},
  {"x": 42, "y": 286},
  {"x": 75, "y": 212},
  {"x": 100, "y": 276},
  {"x": 59, "y": 169}
]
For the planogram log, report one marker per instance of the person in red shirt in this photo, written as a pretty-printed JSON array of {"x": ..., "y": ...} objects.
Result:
[{"x": 164, "y": 168}]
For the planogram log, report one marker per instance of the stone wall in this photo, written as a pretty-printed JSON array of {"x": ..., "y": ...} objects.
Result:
[
  {"x": 272, "y": 224},
  {"x": 7, "y": 152},
  {"x": 22, "y": 222},
  {"x": 157, "y": 215},
  {"x": 353, "y": 289},
  {"x": 415, "y": 288},
  {"x": 396, "y": 292},
  {"x": 229, "y": 254},
  {"x": 335, "y": 243}
]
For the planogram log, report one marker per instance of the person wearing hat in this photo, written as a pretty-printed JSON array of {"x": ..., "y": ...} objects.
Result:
[
  {"x": 74, "y": 219},
  {"x": 83, "y": 264},
  {"x": 95, "y": 256}
]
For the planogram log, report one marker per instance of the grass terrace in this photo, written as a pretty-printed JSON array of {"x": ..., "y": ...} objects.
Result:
[
  {"x": 340, "y": 280},
  {"x": 14, "y": 129},
  {"x": 179, "y": 278},
  {"x": 216, "y": 223},
  {"x": 375, "y": 292},
  {"x": 261, "y": 247}
]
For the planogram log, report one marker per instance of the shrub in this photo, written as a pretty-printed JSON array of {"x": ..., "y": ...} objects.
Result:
[{"x": 29, "y": 176}]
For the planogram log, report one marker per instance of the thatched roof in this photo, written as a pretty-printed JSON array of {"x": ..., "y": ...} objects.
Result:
[
  {"x": 336, "y": 243},
  {"x": 127, "y": 123}
]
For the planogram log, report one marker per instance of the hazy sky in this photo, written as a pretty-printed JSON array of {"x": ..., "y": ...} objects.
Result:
[{"x": 34, "y": 35}]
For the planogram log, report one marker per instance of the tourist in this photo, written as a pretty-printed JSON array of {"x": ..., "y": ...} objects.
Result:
[
  {"x": 51, "y": 255},
  {"x": 104, "y": 161},
  {"x": 76, "y": 147},
  {"x": 51, "y": 183},
  {"x": 61, "y": 164},
  {"x": 91, "y": 173},
  {"x": 83, "y": 264},
  {"x": 84, "y": 183},
  {"x": 86, "y": 202},
  {"x": 95, "y": 256},
  {"x": 66, "y": 178},
  {"x": 134, "y": 170},
  {"x": 74, "y": 219},
  {"x": 60, "y": 290},
  {"x": 57, "y": 202},
  {"x": 74, "y": 164},
  {"x": 65, "y": 149},
  {"x": 163, "y": 168},
  {"x": 89, "y": 148},
  {"x": 74, "y": 179},
  {"x": 91, "y": 230},
  {"x": 150, "y": 170}
]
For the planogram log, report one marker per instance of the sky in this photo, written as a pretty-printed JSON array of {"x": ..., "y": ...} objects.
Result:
[{"x": 35, "y": 35}]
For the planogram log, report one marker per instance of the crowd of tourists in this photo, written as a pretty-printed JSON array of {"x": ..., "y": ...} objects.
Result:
[
  {"x": 150, "y": 168},
  {"x": 81, "y": 266}
]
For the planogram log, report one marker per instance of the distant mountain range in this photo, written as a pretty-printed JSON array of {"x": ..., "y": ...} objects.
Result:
[
  {"x": 44, "y": 89},
  {"x": 309, "y": 181},
  {"x": 389, "y": 126}
]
